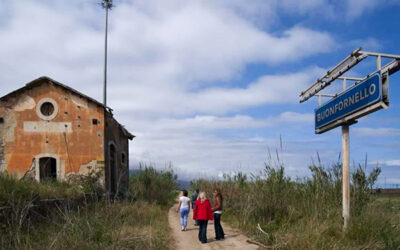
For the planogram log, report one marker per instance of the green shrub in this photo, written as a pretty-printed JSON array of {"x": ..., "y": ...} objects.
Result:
[
  {"x": 101, "y": 225},
  {"x": 25, "y": 202},
  {"x": 154, "y": 186},
  {"x": 307, "y": 213},
  {"x": 56, "y": 215}
]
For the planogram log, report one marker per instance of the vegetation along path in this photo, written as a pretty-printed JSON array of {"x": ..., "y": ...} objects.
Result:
[{"x": 189, "y": 239}]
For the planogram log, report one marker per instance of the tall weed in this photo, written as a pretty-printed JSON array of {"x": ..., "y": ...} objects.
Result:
[
  {"x": 306, "y": 213},
  {"x": 154, "y": 186}
]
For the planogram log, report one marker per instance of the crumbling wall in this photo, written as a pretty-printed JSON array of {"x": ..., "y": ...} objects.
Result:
[
  {"x": 71, "y": 135},
  {"x": 2, "y": 156},
  {"x": 115, "y": 136}
]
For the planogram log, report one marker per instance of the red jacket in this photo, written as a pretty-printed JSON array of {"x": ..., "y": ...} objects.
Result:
[{"x": 202, "y": 210}]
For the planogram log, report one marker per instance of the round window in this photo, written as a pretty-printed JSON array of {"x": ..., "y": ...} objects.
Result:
[{"x": 47, "y": 109}]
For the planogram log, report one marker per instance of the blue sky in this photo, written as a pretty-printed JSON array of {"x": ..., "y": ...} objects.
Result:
[{"x": 212, "y": 85}]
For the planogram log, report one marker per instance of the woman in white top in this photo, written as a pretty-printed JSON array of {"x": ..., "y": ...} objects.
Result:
[{"x": 184, "y": 208}]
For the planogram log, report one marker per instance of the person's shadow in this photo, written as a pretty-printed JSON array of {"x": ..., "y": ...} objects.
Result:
[{"x": 226, "y": 237}]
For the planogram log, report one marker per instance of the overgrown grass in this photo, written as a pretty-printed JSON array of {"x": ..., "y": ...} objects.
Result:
[
  {"x": 24, "y": 203},
  {"x": 306, "y": 213},
  {"x": 154, "y": 186},
  {"x": 59, "y": 215},
  {"x": 102, "y": 225}
]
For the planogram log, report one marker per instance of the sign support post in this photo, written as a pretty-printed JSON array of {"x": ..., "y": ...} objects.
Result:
[
  {"x": 345, "y": 170},
  {"x": 365, "y": 96},
  {"x": 346, "y": 175}
]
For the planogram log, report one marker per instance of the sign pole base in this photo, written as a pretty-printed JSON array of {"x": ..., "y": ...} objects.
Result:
[{"x": 346, "y": 176}]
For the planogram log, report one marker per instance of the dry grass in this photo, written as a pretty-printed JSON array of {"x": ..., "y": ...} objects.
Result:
[
  {"x": 306, "y": 213},
  {"x": 73, "y": 222},
  {"x": 102, "y": 225}
]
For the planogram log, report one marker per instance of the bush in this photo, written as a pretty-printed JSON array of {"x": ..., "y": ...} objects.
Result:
[
  {"x": 153, "y": 185},
  {"x": 24, "y": 202},
  {"x": 306, "y": 213}
]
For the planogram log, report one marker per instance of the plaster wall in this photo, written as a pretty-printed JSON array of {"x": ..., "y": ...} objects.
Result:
[{"x": 71, "y": 136}]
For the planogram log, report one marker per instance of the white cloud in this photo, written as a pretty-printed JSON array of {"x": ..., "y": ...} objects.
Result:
[
  {"x": 159, "y": 56},
  {"x": 195, "y": 146},
  {"x": 356, "y": 8},
  {"x": 376, "y": 131},
  {"x": 206, "y": 155},
  {"x": 198, "y": 43},
  {"x": 392, "y": 163},
  {"x": 209, "y": 123},
  {"x": 368, "y": 43},
  {"x": 269, "y": 89}
]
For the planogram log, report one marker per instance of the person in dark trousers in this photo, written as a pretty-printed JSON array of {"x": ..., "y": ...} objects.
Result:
[
  {"x": 194, "y": 199},
  {"x": 202, "y": 212},
  {"x": 217, "y": 210}
]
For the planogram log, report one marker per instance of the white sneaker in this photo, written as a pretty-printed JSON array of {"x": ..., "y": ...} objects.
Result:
[{"x": 183, "y": 228}]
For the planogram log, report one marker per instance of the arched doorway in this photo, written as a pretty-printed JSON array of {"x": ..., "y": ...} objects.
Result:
[
  {"x": 48, "y": 168},
  {"x": 112, "y": 157}
]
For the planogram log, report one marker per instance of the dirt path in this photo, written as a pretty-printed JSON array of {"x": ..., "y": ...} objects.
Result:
[{"x": 185, "y": 240}]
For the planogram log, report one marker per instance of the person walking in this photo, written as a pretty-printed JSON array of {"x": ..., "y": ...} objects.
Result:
[
  {"x": 202, "y": 212},
  {"x": 183, "y": 209},
  {"x": 217, "y": 212},
  {"x": 194, "y": 199}
]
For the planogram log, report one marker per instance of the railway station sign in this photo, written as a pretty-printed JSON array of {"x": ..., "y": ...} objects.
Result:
[
  {"x": 352, "y": 100},
  {"x": 365, "y": 96}
]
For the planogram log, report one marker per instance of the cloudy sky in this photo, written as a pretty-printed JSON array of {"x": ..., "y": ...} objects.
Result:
[{"x": 212, "y": 85}]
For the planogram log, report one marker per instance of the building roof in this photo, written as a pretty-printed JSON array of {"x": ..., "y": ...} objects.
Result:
[{"x": 47, "y": 79}]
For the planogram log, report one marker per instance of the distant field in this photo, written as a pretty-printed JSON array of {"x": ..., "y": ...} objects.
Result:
[
  {"x": 388, "y": 200},
  {"x": 387, "y": 192}
]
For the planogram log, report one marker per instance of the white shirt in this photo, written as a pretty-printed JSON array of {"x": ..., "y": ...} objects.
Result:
[{"x": 184, "y": 201}]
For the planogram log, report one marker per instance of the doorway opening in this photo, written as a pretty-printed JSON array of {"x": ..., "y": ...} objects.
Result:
[
  {"x": 113, "y": 184},
  {"x": 48, "y": 168}
]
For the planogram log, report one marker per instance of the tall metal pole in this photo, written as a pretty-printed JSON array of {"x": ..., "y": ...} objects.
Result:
[
  {"x": 345, "y": 171},
  {"x": 105, "y": 62},
  {"x": 107, "y": 4}
]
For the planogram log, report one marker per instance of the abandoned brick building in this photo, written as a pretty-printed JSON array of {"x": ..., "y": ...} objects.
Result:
[{"x": 51, "y": 131}]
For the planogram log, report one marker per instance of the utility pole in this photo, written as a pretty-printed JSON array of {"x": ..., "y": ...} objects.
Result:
[{"x": 106, "y": 4}]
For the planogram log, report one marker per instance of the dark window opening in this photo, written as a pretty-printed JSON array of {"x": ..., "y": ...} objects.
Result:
[
  {"x": 123, "y": 158},
  {"x": 47, "y": 109},
  {"x": 113, "y": 186},
  {"x": 1, "y": 120},
  {"x": 48, "y": 168},
  {"x": 95, "y": 121}
]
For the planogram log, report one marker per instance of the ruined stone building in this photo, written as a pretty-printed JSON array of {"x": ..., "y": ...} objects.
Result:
[{"x": 51, "y": 131}]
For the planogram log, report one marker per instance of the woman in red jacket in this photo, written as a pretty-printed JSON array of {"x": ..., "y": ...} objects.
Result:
[{"x": 202, "y": 212}]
